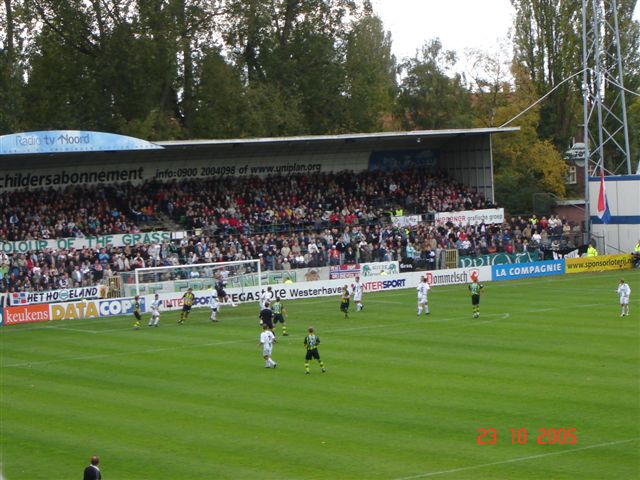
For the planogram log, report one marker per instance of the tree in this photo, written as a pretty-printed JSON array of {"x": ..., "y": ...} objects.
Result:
[
  {"x": 271, "y": 112},
  {"x": 220, "y": 100},
  {"x": 12, "y": 61},
  {"x": 490, "y": 82},
  {"x": 370, "y": 70},
  {"x": 548, "y": 45},
  {"x": 429, "y": 98},
  {"x": 295, "y": 47},
  {"x": 524, "y": 164}
]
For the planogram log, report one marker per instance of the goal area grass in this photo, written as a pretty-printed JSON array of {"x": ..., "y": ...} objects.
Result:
[{"x": 544, "y": 384}]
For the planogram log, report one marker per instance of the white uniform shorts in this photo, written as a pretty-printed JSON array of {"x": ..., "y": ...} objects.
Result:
[
  {"x": 624, "y": 300},
  {"x": 266, "y": 350}
]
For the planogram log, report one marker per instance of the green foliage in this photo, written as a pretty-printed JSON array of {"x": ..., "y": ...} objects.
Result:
[
  {"x": 370, "y": 76},
  {"x": 69, "y": 99},
  {"x": 155, "y": 126},
  {"x": 220, "y": 99},
  {"x": 237, "y": 68},
  {"x": 523, "y": 163},
  {"x": 403, "y": 396},
  {"x": 270, "y": 112},
  {"x": 548, "y": 45},
  {"x": 634, "y": 132},
  {"x": 429, "y": 98}
]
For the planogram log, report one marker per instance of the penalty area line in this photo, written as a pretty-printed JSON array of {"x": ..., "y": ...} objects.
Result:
[{"x": 514, "y": 460}]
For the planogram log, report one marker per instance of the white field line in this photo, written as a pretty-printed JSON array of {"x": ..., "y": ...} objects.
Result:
[{"x": 514, "y": 460}]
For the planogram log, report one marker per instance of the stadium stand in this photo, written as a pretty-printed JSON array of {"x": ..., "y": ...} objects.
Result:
[
  {"x": 288, "y": 222},
  {"x": 76, "y": 211}
]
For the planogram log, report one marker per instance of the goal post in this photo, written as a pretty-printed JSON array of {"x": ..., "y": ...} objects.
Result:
[{"x": 198, "y": 276}]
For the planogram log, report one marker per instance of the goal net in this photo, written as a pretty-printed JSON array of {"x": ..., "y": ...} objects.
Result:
[{"x": 200, "y": 276}]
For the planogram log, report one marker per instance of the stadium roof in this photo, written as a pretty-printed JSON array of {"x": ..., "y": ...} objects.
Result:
[
  {"x": 183, "y": 150},
  {"x": 351, "y": 141}
]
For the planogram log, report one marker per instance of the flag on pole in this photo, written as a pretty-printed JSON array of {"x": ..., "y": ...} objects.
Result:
[{"x": 603, "y": 205}]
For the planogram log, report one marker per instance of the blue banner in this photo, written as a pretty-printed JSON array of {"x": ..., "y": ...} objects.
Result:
[
  {"x": 55, "y": 141},
  {"x": 3, "y": 300},
  {"x": 527, "y": 270},
  {"x": 402, "y": 159}
]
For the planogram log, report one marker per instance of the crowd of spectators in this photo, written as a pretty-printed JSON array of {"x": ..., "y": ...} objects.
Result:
[
  {"x": 76, "y": 211},
  {"x": 286, "y": 222},
  {"x": 316, "y": 201}
]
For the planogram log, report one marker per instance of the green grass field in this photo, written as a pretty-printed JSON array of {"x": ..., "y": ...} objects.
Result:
[{"x": 404, "y": 397}]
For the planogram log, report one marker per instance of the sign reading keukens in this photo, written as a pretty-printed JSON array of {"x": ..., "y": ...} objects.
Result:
[
  {"x": 527, "y": 270},
  {"x": 69, "y": 141}
]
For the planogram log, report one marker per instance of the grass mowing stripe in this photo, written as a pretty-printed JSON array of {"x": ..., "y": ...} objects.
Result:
[{"x": 403, "y": 394}]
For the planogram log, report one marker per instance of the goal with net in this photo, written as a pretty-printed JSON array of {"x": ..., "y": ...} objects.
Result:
[{"x": 198, "y": 276}]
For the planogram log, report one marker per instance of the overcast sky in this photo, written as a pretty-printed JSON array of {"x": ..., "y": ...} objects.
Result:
[{"x": 460, "y": 24}]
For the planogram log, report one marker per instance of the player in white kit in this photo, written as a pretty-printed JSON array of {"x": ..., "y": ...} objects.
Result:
[
  {"x": 423, "y": 292},
  {"x": 267, "y": 339},
  {"x": 155, "y": 311},
  {"x": 624, "y": 290},
  {"x": 213, "y": 303},
  {"x": 266, "y": 297},
  {"x": 356, "y": 288}
]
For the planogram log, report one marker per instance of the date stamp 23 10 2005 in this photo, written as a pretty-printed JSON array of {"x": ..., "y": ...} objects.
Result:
[{"x": 520, "y": 436}]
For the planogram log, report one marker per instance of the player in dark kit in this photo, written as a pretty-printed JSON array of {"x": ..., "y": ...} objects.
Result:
[
  {"x": 188, "y": 300},
  {"x": 311, "y": 341},
  {"x": 476, "y": 289},
  {"x": 223, "y": 296},
  {"x": 344, "y": 301},
  {"x": 266, "y": 316},
  {"x": 136, "y": 312},
  {"x": 278, "y": 315}
]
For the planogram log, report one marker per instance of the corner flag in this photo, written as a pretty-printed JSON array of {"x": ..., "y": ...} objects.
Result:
[{"x": 603, "y": 205}]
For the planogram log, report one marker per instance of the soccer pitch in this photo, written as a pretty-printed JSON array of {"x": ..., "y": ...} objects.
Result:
[{"x": 404, "y": 397}]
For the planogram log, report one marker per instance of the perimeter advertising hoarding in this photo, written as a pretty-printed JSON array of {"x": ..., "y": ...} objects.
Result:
[
  {"x": 498, "y": 259},
  {"x": 371, "y": 269},
  {"x": 173, "y": 301},
  {"x": 63, "y": 295},
  {"x": 623, "y": 261},
  {"x": 527, "y": 270},
  {"x": 26, "y": 314},
  {"x": 70, "y": 310},
  {"x": 324, "y": 288}
]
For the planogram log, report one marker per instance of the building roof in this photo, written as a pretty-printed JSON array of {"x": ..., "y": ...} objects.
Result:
[{"x": 184, "y": 150}]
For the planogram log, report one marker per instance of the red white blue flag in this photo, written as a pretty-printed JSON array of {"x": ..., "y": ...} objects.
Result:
[{"x": 603, "y": 205}]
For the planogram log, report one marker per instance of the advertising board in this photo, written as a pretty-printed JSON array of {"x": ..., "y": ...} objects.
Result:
[
  {"x": 26, "y": 314},
  {"x": 64, "y": 295},
  {"x": 622, "y": 261},
  {"x": 527, "y": 270}
]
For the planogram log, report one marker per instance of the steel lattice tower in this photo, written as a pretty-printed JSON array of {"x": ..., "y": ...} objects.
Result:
[{"x": 606, "y": 135}]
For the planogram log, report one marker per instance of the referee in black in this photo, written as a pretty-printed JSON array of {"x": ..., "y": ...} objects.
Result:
[{"x": 266, "y": 316}]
